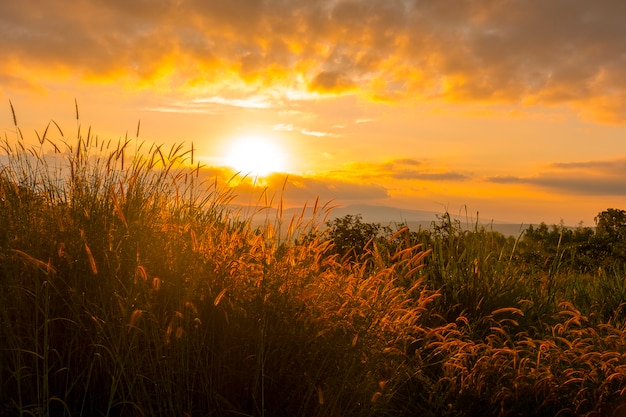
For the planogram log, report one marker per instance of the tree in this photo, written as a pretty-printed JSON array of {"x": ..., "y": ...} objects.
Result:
[
  {"x": 351, "y": 235},
  {"x": 611, "y": 223},
  {"x": 609, "y": 241}
]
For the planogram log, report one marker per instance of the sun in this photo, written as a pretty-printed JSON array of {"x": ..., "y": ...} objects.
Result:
[{"x": 257, "y": 156}]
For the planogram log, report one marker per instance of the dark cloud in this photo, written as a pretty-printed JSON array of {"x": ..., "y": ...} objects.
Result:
[
  {"x": 326, "y": 82},
  {"x": 572, "y": 185},
  {"x": 593, "y": 178},
  {"x": 426, "y": 176},
  {"x": 406, "y": 162},
  {"x": 508, "y": 180},
  {"x": 615, "y": 167},
  {"x": 546, "y": 52}
]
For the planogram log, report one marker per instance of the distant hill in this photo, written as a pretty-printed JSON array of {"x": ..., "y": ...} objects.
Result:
[{"x": 385, "y": 215}]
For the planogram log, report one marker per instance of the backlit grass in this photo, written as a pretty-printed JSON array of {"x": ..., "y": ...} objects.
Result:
[{"x": 128, "y": 288}]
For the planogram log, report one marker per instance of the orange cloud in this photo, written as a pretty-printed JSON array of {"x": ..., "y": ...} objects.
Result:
[
  {"x": 295, "y": 190},
  {"x": 557, "y": 52}
]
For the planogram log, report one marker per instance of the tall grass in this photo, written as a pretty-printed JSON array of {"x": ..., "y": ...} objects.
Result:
[{"x": 128, "y": 288}]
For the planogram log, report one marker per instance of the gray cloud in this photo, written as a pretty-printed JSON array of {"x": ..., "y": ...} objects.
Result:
[
  {"x": 598, "y": 178},
  {"x": 613, "y": 167},
  {"x": 416, "y": 175},
  {"x": 508, "y": 180},
  {"x": 575, "y": 185}
]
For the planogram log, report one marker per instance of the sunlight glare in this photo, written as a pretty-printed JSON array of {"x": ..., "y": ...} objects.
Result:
[{"x": 256, "y": 156}]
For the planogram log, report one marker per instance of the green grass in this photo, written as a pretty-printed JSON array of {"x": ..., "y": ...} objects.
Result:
[{"x": 129, "y": 289}]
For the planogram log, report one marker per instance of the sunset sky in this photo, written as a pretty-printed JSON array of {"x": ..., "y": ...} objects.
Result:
[{"x": 514, "y": 109}]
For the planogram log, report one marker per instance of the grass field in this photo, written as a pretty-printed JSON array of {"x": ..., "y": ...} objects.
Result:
[{"x": 129, "y": 289}]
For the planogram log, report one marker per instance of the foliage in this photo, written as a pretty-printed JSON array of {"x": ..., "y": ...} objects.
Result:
[
  {"x": 612, "y": 223},
  {"x": 610, "y": 236},
  {"x": 351, "y": 236},
  {"x": 581, "y": 249}
]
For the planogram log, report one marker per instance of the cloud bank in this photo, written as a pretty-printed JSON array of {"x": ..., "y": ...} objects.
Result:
[{"x": 494, "y": 51}]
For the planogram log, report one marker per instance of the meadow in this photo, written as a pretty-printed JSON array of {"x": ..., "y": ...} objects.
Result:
[{"x": 129, "y": 288}]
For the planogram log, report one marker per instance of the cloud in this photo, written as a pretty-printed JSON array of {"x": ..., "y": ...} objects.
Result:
[
  {"x": 590, "y": 178},
  {"x": 361, "y": 182},
  {"x": 213, "y": 105},
  {"x": 509, "y": 179},
  {"x": 11, "y": 81},
  {"x": 284, "y": 127},
  {"x": 331, "y": 188},
  {"x": 613, "y": 167},
  {"x": 403, "y": 169},
  {"x": 331, "y": 82},
  {"x": 315, "y": 133},
  {"x": 296, "y": 189},
  {"x": 306, "y": 132},
  {"x": 557, "y": 52}
]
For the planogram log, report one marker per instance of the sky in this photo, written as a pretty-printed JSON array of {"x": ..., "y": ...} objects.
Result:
[{"x": 512, "y": 109}]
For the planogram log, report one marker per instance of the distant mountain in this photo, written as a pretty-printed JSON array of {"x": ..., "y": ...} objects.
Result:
[{"x": 385, "y": 215}]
